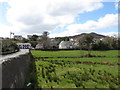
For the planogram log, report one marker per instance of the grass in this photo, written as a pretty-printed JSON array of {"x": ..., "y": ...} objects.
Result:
[
  {"x": 59, "y": 73},
  {"x": 97, "y": 60},
  {"x": 74, "y": 53},
  {"x": 66, "y": 75}
]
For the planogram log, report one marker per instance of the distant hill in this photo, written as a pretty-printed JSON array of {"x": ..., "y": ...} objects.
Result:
[{"x": 95, "y": 35}]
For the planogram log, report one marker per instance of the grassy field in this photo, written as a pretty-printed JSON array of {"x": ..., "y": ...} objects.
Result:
[
  {"x": 55, "y": 72},
  {"x": 74, "y": 53},
  {"x": 97, "y": 60}
]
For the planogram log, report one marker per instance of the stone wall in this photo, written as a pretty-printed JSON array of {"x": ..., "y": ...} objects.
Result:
[
  {"x": 0, "y": 76},
  {"x": 15, "y": 68}
]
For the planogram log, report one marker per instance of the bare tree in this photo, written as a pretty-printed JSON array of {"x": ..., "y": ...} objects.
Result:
[{"x": 45, "y": 39}]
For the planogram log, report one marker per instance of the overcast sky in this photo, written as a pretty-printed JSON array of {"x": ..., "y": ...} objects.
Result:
[{"x": 58, "y": 17}]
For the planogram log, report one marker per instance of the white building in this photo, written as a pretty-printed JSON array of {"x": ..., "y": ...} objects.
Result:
[
  {"x": 66, "y": 45},
  {"x": 18, "y": 37},
  {"x": 39, "y": 46},
  {"x": 25, "y": 46}
]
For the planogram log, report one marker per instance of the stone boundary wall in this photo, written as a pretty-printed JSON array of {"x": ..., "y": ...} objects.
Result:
[{"x": 15, "y": 68}]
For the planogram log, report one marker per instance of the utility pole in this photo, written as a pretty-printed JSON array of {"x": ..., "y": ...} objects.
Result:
[{"x": 11, "y": 34}]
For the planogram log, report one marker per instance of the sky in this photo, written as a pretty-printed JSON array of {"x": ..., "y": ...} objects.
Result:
[{"x": 58, "y": 17}]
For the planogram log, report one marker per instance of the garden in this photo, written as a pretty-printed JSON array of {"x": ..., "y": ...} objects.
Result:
[{"x": 68, "y": 69}]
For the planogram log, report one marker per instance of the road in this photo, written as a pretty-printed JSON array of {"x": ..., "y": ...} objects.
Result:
[{"x": 4, "y": 57}]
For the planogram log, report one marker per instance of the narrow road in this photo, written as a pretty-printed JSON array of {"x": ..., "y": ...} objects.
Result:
[{"x": 4, "y": 57}]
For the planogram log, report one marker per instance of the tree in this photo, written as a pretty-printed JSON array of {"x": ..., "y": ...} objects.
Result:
[
  {"x": 45, "y": 34},
  {"x": 34, "y": 38},
  {"x": 118, "y": 43},
  {"x": 86, "y": 42},
  {"x": 33, "y": 43},
  {"x": 81, "y": 44},
  {"x": 111, "y": 42},
  {"x": 24, "y": 40},
  {"x": 106, "y": 43},
  {"x": 59, "y": 39},
  {"x": 100, "y": 45},
  {"x": 45, "y": 40},
  {"x": 115, "y": 43},
  {"x": 9, "y": 46}
]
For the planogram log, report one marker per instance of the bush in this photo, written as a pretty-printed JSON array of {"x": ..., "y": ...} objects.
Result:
[
  {"x": 9, "y": 47},
  {"x": 33, "y": 43},
  {"x": 107, "y": 43}
]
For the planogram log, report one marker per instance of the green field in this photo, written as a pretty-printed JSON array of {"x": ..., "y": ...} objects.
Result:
[
  {"x": 97, "y": 60},
  {"x": 56, "y": 71},
  {"x": 74, "y": 53}
]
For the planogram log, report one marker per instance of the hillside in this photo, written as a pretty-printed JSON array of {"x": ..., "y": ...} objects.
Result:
[{"x": 95, "y": 35}]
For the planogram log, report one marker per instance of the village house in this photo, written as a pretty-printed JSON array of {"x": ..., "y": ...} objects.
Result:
[
  {"x": 39, "y": 46},
  {"x": 25, "y": 46},
  {"x": 18, "y": 37},
  {"x": 66, "y": 45},
  {"x": 51, "y": 43}
]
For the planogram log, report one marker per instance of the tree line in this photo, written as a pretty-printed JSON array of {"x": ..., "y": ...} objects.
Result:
[
  {"x": 90, "y": 43},
  {"x": 86, "y": 42}
]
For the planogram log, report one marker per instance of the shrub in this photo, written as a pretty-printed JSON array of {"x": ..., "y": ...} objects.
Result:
[{"x": 9, "y": 47}]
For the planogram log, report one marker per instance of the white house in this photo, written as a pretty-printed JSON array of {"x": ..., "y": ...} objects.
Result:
[
  {"x": 24, "y": 46},
  {"x": 66, "y": 45},
  {"x": 18, "y": 37},
  {"x": 39, "y": 46}
]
